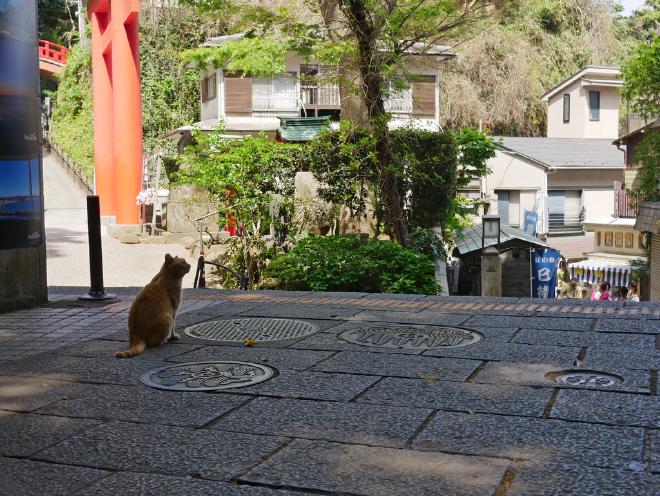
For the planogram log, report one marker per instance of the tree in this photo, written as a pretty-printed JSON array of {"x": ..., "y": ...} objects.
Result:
[
  {"x": 371, "y": 41},
  {"x": 641, "y": 77}
]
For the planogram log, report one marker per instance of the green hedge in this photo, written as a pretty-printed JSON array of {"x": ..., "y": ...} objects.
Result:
[{"x": 351, "y": 263}]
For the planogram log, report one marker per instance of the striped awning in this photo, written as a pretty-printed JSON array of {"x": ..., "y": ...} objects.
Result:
[{"x": 616, "y": 272}]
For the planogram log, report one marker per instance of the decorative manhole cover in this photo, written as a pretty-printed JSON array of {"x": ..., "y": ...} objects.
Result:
[
  {"x": 257, "y": 329},
  {"x": 411, "y": 338},
  {"x": 584, "y": 378},
  {"x": 206, "y": 376}
]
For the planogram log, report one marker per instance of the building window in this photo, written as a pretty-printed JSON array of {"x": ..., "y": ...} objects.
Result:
[
  {"x": 567, "y": 107},
  {"x": 640, "y": 241},
  {"x": 211, "y": 88},
  {"x": 598, "y": 238},
  {"x": 594, "y": 105}
]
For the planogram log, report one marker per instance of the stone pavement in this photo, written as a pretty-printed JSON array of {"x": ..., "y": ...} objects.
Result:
[{"x": 479, "y": 413}]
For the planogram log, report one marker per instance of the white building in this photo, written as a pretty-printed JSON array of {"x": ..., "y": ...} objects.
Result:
[
  {"x": 248, "y": 104},
  {"x": 568, "y": 177}
]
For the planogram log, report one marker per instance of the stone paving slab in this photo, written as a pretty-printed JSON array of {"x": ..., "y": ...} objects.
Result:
[
  {"x": 423, "y": 317},
  {"x": 576, "y": 480},
  {"x": 453, "y": 369},
  {"x": 107, "y": 349},
  {"x": 534, "y": 374},
  {"x": 654, "y": 451},
  {"x": 532, "y": 439},
  {"x": 126, "y": 483},
  {"x": 352, "y": 469},
  {"x": 24, "y": 394},
  {"x": 485, "y": 398},
  {"x": 610, "y": 408},
  {"x": 30, "y": 478},
  {"x": 23, "y": 434},
  {"x": 111, "y": 370},
  {"x": 353, "y": 423},
  {"x": 568, "y": 323},
  {"x": 273, "y": 357},
  {"x": 156, "y": 448},
  {"x": 628, "y": 325},
  {"x": 39, "y": 364},
  {"x": 639, "y": 360},
  {"x": 503, "y": 351},
  {"x": 313, "y": 385},
  {"x": 583, "y": 338},
  {"x": 145, "y": 405},
  {"x": 301, "y": 312}
]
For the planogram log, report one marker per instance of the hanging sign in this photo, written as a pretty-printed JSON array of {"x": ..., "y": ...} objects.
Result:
[
  {"x": 544, "y": 272},
  {"x": 530, "y": 222}
]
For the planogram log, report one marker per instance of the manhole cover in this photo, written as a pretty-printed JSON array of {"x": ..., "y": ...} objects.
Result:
[
  {"x": 258, "y": 329},
  {"x": 411, "y": 338},
  {"x": 206, "y": 376},
  {"x": 586, "y": 378}
]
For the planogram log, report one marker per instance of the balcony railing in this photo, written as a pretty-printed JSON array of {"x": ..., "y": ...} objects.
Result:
[
  {"x": 319, "y": 95},
  {"x": 274, "y": 103}
]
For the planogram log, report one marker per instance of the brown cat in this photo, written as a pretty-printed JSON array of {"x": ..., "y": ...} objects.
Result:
[{"x": 151, "y": 320}]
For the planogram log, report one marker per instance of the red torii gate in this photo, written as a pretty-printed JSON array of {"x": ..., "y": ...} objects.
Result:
[{"x": 117, "y": 107}]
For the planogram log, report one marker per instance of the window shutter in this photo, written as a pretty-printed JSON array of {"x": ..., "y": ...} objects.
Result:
[
  {"x": 567, "y": 107},
  {"x": 423, "y": 92},
  {"x": 238, "y": 94},
  {"x": 205, "y": 95}
]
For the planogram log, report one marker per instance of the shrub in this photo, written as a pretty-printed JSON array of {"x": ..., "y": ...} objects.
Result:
[{"x": 351, "y": 263}]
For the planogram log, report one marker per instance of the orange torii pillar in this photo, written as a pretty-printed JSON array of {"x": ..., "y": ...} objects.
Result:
[{"x": 117, "y": 107}]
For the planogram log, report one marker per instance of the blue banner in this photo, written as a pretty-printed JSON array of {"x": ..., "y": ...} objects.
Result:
[
  {"x": 530, "y": 222},
  {"x": 544, "y": 272}
]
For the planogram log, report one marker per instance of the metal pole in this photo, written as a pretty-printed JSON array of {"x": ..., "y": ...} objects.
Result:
[{"x": 97, "y": 291}]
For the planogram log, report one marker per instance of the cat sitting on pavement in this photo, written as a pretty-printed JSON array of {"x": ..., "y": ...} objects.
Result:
[{"x": 151, "y": 320}]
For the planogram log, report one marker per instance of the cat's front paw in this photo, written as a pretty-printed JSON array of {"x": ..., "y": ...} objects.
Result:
[{"x": 174, "y": 337}]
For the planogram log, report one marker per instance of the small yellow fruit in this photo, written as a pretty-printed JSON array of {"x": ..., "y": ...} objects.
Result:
[{"x": 249, "y": 342}]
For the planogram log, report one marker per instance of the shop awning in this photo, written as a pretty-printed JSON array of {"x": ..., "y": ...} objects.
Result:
[{"x": 593, "y": 270}]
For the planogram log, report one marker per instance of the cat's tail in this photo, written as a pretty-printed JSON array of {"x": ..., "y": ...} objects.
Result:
[{"x": 135, "y": 349}]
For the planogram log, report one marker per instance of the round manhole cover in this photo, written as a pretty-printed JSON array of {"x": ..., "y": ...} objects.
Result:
[
  {"x": 584, "y": 378},
  {"x": 206, "y": 376},
  {"x": 411, "y": 337},
  {"x": 257, "y": 329}
]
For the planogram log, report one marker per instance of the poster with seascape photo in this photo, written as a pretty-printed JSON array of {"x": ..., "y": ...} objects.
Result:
[{"x": 21, "y": 209}]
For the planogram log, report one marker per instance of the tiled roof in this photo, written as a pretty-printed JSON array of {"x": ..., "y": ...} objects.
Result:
[{"x": 565, "y": 152}]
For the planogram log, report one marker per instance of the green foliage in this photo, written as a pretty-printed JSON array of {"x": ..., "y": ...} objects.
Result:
[
  {"x": 253, "y": 56},
  {"x": 505, "y": 69},
  {"x": 648, "y": 156},
  {"x": 344, "y": 163},
  {"x": 427, "y": 168},
  {"x": 350, "y": 263},
  {"x": 428, "y": 242},
  {"x": 56, "y": 21},
  {"x": 71, "y": 123},
  {"x": 243, "y": 174},
  {"x": 475, "y": 150},
  {"x": 641, "y": 76},
  {"x": 170, "y": 94}
]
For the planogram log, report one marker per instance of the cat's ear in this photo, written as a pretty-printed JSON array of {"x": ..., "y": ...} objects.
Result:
[{"x": 169, "y": 259}]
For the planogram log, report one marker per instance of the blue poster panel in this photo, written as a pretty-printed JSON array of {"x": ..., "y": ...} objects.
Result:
[
  {"x": 530, "y": 222},
  {"x": 21, "y": 209},
  {"x": 544, "y": 272}
]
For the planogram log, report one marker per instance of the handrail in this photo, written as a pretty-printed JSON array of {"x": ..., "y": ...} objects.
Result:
[{"x": 52, "y": 51}]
